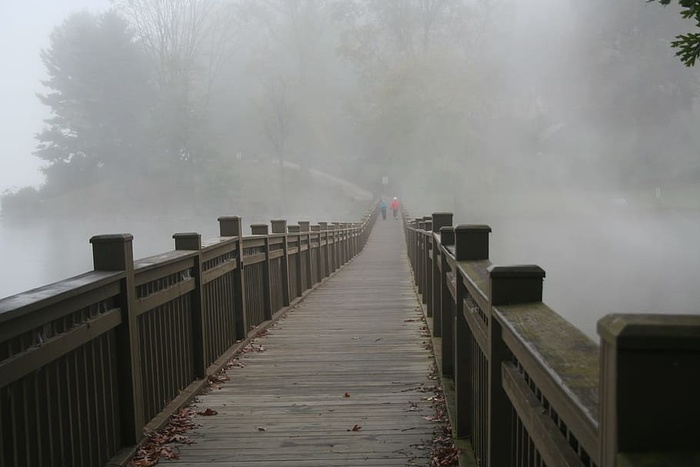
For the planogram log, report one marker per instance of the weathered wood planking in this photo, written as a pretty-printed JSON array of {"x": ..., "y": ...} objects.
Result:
[{"x": 357, "y": 334}]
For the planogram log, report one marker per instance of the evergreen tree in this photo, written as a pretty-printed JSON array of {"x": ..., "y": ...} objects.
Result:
[{"x": 99, "y": 99}]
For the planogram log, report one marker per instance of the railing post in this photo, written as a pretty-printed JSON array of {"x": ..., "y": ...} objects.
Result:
[
  {"x": 344, "y": 236},
  {"x": 649, "y": 386},
  {"x": 324, "y": 252},
  {"x": 355, "y": 238},
  {"x": 449, "y": 310},
  {"x": 334, "y": 249},
  {"x": 509, "y": 285},
  {"x": 412, "y": 246},
  {"x": 280, "y": 227},
  {"x": 262, "y": 229},
  {"x": 232, "y": 226},
  {"x": 193, "y": 242},
  {"x": 440, "y": 219},
  {"x": 337, "y": 235},
  {"x": 115, "y": 253},
  {"x": 420, "y": 258},
  {"x": 305, "y": 229},
  {"x": 316, "y": 231},
  {"x": 471, "y": 244},
  {"x": 294, "y": 229},
  {"x": 428, "y": 272},
  {"x": 350, "y": 229},
  {"x": 442, "y": 320},
  {"x": 340, "y": 235}
]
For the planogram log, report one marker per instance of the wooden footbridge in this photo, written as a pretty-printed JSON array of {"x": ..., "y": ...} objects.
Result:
[{"x": 308, "y": 346}]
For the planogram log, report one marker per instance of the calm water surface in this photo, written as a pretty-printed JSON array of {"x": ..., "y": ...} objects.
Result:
[{"x": 595, "y": 265}]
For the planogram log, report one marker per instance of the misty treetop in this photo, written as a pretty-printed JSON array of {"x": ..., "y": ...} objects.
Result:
[
  {"x": 99, "y": 96},
  {"x": 465, "y": 93}
]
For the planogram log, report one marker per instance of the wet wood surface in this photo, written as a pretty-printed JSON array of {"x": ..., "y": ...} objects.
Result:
[{"x": 350, "y": 356}]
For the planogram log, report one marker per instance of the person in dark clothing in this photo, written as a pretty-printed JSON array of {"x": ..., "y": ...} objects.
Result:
[{"x": 382, "y": 207}]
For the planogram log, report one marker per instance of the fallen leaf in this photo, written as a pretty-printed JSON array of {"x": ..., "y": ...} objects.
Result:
[
  {"x": 261, "y": 429},
  {"x": 347, "y": 394},
  {"x": 208, "y": 412},
  {"x": 355, "y": 428}
]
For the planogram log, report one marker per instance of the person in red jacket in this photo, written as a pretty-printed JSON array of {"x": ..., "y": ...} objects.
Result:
[{"x": 395, "y": 208}]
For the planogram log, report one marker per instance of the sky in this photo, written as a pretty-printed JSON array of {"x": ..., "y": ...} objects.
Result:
[{"x": 25, "y": 26}]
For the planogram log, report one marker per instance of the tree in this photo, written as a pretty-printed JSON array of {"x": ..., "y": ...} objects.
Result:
[
  {"x": 688, "y": 44},
  {"x": 417, "y": 68},
  {"x": 187, "y": 43},
  {"x": 99, "y": 99}
]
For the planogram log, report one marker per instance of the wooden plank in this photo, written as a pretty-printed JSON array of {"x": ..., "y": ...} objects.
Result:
[
  {"x": 20, "y": 365},
  {"x": 160, "y": 266},
  {"x": 562, "y": 361},
  {"x": 28, "y": 302},
  {"x": 161, "y": 297},
  {"x": 218, "y": 247},
  {"x": 548, "y": 440},
  {"x": 56, "y": 310},
  {"x": 351, "y": 353},
  {"x": 214, "y": 273},
  {"x": 254, "y": 259}
]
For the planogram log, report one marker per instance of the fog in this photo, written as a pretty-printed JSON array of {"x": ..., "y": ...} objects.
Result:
[{"x": 567, "y": 126}]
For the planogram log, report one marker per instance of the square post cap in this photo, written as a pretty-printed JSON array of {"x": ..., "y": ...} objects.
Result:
[
  {"x": 259, "y": 229},
  {"x": 279, "y": 226},
  {"x": 471, "y": 242},
  {"x": 651, "y": 331},
  {"x": 230, "y": 226},
  {"x": 447, "y": 235},
  {"x": 441, "y": 219},
  {"x": 512, "y": 285},
  {"x": 188, "y": 241}
]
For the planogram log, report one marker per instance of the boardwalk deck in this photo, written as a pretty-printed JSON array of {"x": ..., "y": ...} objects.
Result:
[{"x": 359, "y": 336}]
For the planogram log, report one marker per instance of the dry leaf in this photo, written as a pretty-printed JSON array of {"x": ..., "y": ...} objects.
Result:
[{"x": 207, "y": 412}]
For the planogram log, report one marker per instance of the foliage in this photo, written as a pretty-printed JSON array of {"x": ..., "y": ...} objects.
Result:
[
  {"x": 178, "y": 92},
  {"x": 25, "y": 200},
  {"x": 688, "y": 44}
]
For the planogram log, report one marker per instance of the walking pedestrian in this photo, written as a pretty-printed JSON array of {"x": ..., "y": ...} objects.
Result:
[{"x": 395, "y": 207}]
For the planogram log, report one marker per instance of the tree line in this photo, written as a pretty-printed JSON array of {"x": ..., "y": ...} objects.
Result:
[{"x": 178, "y": 92}]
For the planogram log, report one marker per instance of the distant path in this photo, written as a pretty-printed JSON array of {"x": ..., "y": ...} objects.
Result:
[
  {"x": 351, "y": 189},
  {"x": 350, "y": 355}
]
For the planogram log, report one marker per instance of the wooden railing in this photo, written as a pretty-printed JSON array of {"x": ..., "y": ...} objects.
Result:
[
  {"x": 530, "y": 389},
  {"x": 88, "y": 363}
]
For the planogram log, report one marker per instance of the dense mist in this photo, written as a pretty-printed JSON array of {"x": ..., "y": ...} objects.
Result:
[{"x": 567, "y": 126}]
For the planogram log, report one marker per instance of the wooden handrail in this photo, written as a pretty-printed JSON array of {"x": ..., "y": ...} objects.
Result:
[
  {"x": 530, "y": 386},
  {"x": 99, "y": 356}
]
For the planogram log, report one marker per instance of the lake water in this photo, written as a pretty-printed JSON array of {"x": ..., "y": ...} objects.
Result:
[
  {"x": 38, "y": 252},
  {"x": 641, "y": 263},
  {"x": 619, "y": 262}
]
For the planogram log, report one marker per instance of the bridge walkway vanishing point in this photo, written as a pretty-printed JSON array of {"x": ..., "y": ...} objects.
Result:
[{"x": 349, "y": 356}]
